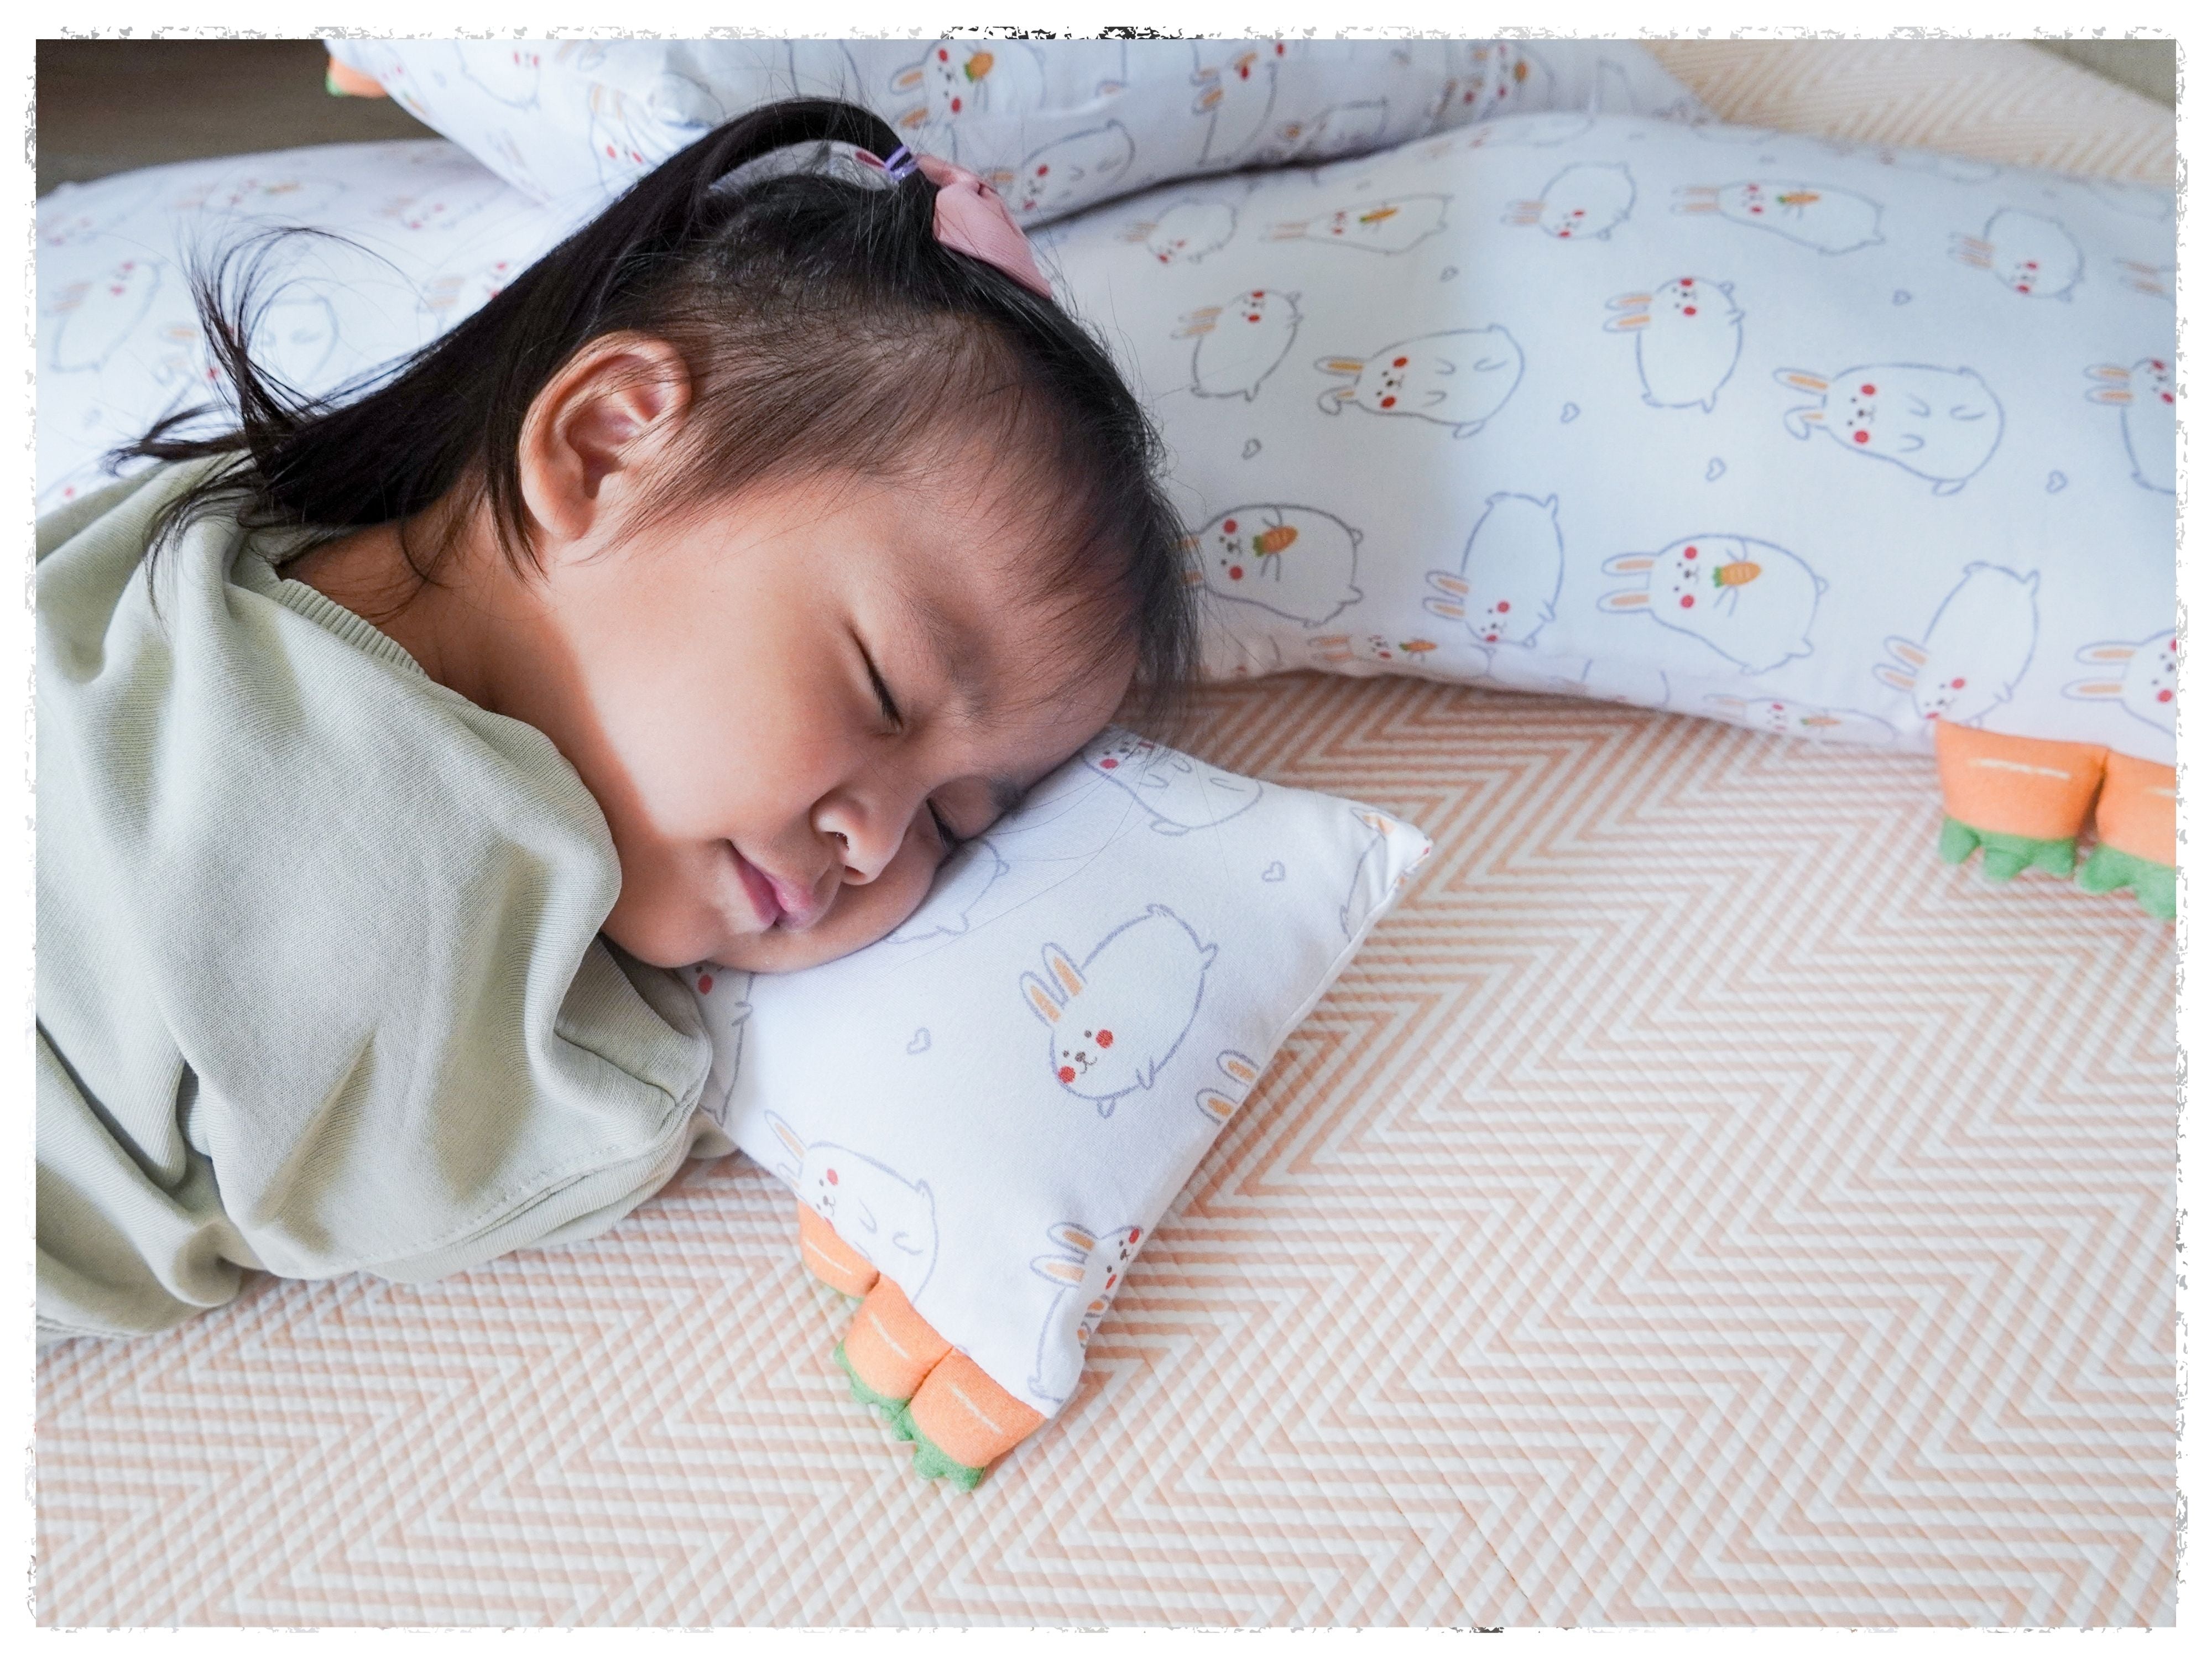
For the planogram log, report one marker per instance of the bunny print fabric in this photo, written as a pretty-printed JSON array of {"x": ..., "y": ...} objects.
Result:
[
  {"x": 421, "y": 235},
  {"x": 1057, "y": 126},
  {"x": 1824, "y": 439},
  {"x": 993, "y": 1106}
]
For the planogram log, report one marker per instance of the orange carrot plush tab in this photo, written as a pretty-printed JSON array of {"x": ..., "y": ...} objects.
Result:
[
  {"x": 959, "y": 1420},
  {"x": 343, "y": 82},
  {"x": 2024, "y": 802}
]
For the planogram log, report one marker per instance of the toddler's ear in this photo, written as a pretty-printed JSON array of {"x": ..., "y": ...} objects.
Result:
[{"x": 592, "y": 432}]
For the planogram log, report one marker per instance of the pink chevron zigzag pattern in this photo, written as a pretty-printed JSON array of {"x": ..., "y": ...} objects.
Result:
[{"x": 1697, "y": 1205}]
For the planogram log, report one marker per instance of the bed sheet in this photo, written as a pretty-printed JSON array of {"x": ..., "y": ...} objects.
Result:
[{"x": 1696, "y": 1205}]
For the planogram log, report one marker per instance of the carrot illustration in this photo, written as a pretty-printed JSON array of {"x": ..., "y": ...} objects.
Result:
[
  {"x": 1415, "y": 647},
  {"x": 1798, "y": 198},
  {"x": 978, "y": 66},
  {"x": 1378, "y": 216},
  {"x": 1273, "y": 539},
  {"x": 1735, "y": 575}
]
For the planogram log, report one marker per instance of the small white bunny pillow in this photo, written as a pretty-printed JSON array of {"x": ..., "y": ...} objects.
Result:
[{"x": 1039, "y": 1057}]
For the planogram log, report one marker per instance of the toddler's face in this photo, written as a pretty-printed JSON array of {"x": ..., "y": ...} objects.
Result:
[{"x": 790, "y": 705}]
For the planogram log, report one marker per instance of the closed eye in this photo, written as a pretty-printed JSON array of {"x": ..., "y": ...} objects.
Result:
[
  {"x": 883, "y": 691},
  {"x": 945, "y": 837}
]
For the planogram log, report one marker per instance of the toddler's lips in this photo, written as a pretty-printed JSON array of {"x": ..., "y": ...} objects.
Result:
[
  {"x": 760, "y": 891},
  {"x": 778, "y": 903}
]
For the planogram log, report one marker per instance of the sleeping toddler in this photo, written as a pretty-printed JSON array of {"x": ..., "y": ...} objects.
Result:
[{"x": 691, "y": 600}]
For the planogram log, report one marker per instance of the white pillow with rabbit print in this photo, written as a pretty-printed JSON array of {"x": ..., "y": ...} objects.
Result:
[
  {"x": 1058, "y": 125},
  {"x": 1827, "y": 438},
  {"x": 1046, "y": 1049}
]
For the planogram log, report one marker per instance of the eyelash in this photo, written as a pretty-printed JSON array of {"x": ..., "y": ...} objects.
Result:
[
  {"x": 945, "y": 834},
  {"x": 883, "y": 691},
  {"x": 944, "y": 830}
]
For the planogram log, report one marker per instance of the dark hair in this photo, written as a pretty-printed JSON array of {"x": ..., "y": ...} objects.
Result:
[{"x": 825, "y": 329}]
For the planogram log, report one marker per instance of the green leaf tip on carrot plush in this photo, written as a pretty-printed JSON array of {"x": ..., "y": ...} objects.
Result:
[{"x": 2004, "y": 856}]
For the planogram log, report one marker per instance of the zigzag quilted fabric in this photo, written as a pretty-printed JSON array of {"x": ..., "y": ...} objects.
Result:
[{"x": 1697, "y": 1205}]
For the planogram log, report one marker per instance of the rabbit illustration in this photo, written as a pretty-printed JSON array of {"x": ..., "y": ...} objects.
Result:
[
  {"x": 1513, "y": 78},
  {"x": 1975, "y": 651},
  {"x": 295, "y": 335},
  {"x": 1509, "y": 573},
  {"x": 886, "y": 1218},
  {"x": 1547, "y": 131},
  {"x": 1458, "y": 378},
  {"x": 451, "y": 202},
  {"x": 960, "y": 886},
  {"x": 1786, "y": 719},
  {"x": 1231, "y": 656},
  {"x": 1818, "y": 216},
  {"x": 1240, "y": 341},
  {"x": 2030, "y": 253},
  {"x": 1584, "y": 203},
  {"x": 1385, "y": 228},
  {"x": 98, "y": 316},
  {"x": 1088, "y": 1268},
  {"x": 507, "y": 74},
  {"x": 65, "y": 221},
  {"x": 1942, "y": 424},
  {"x": 252, "y": 196},
  {"x": 724, "y": 996},
  {"x": 954, "y": 80},
  {"x": 1242, "y": 1072},
  {"x": 1186, "y": 232},
  {"x": 1297, "y": 562},
  {"x": 580, "y": 56},
  {"x": 677, "y": 100},
  {"x": 2144, "y": 396},
  {"x": 2141, "y": 675},
  {"x": 1234, "y": 83},
  {"x": 1181, "y": 795},
  {"x": 1120, "y": 1015},
  {"x": 1079, "y": 166},
  {"x": 1750, "y": 600},
  {"x": 2157, "y": 281},
  {"x": 1453, "y": 103},
  {"x": 623, "y": 145},
  {"x": 1343, "y": 650},
  {"x": 1361, "y": 897},
  {"x": 451, "y": 295},
  {"x": 1339, "y": 130},
  {"x": 1689, "y": 333}
]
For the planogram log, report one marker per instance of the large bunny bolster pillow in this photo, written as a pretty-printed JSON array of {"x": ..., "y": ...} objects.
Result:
[
  {"x": 984, "y": 1114},
  {"x": 1829, "y": 440},
  {"x": 1056, "y": 125}
]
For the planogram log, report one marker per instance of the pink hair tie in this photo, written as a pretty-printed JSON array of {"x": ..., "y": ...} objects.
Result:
[{"x": 972, "y": 218}]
